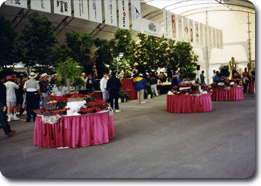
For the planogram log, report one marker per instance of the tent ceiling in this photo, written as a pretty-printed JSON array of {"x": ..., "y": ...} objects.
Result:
[
  {"x": 151, "y": 9},
  {"x": 186, "y": 7}
]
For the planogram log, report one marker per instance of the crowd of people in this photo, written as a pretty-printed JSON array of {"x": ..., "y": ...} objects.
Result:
[
  {"x": 247, "y": 79},
  {"x": 22, "y": 95}
]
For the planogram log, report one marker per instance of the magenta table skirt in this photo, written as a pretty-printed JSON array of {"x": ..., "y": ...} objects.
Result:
[
  {"x": 75, "y": 131},
  {"x": 189, "y": 104},
  {"x": 233, "y": 94}
]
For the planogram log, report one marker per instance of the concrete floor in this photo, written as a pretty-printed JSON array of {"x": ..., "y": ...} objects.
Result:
[{"x": 149, "y": 143}]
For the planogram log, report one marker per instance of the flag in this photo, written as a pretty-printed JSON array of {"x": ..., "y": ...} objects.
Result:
[
  {"x": 110, "y": 12},
  {"x": 62, "y": 7},
  {"x": 174, "y": 26},
  {"x": 191, "y": 31},
  {"x": 197, "y": 35},
  {"x": 41, "y": 5},
  {"x": 166, "y": 24},
  {"x": 206, "y": 35},
  {"x": 123, "y": 14},
  {"x": 95, "y": 10},
  {"x": 136, "y": 15},
  {"x": 210, "y": 37},
  {"x": 221, "y": 39},
  {"x": 214, "y": 38},
  {"x": 81, "y": 9},
  {"x": 180, "y": 28},
  {"x": 185, "y": 30},
  {"x": 17, "y": 3},
  {"x": 151, "y": 28}
]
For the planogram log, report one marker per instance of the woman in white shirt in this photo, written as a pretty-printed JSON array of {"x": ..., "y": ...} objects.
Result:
[
  {"x": 103, "y": 86},
  {"x": 11, "y": 98}
]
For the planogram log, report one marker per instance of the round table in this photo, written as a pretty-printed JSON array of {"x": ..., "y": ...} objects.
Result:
[
  {"x": 74, "y": 131},
  {"x": 233, "y": 94},
  {"x": 188, "y": 103}
]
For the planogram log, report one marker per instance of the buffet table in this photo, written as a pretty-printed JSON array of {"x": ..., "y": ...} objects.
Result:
[
  {"x": 74, "y": 131},
  {"x": 188, "y": 103},
  {"x": 163, "y": 88},
  {"x": 233, "y": 94}
]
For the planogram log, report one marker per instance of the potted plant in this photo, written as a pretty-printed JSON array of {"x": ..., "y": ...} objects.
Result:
[
  {"x": 68, "y": 70},
  {"x": 78, "y": 82}
]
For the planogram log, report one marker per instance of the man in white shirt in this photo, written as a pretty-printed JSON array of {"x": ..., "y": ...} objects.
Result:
[
  {"x": 11, "y": 98},
  {"x": 103, "y": 86}
]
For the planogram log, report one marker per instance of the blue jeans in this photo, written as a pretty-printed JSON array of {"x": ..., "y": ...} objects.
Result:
[{"x": 105, "y": 96}]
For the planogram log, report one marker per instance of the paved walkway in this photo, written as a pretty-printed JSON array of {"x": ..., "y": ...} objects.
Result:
[{"x": 149, "y": 143}]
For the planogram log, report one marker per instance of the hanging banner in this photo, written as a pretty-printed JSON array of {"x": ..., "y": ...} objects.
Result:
[
  {"x": 123, "y": 14},
  {"x": 214, "y": 38},
  {"x": 136, "y": 15},
  {"x": 166, "y": 15},
  {"x": 201, "y": 34},
  {"x": 221, "y": 39},
  {"x": 62, "y": 7},
  {"x": 41, "y": 5},
  {"x": 151, "y": 28},
  {"x": 197, "y": 36},
  {"x": 210, "y": 44},
  {"x": 95, "y": 10},
  {"x": 191, "y": 31},
  {"x": 174, "y": 26},
  {"x": 110, "y": 12},
  {"x": 218, "y": 38},
  {"x": 206, "y": 35},
  {"x": 185, "y": 30},
  {"x": 180, "y": 28},
  {"x": 81, "y": 9},
  {"x": 17, "y": 3}
]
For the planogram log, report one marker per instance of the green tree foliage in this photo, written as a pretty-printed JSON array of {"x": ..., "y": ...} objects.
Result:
[
  {"x": 224, "y": 70},
  {"x": 37, "y": 39},
  {"x": 77, "y": 47},
  {"x": 7, "y": 43},
  {"x": 103, "y": 55},
  {"x": 68, "y": 69}
]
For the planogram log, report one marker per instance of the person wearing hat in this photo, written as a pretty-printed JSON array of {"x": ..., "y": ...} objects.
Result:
[
  {"x": 32, "y": 89},
  {"x": 84, "y": 78},
  {"x": 44, "y": 83},
  {"x": 3, "y": 121},
  {"x": 139, "y": 83},
  {"x": 11, "y": 98}
]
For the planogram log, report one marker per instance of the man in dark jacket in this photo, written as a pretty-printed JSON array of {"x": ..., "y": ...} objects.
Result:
[
  {"x": 113, "y": 87},
  {"x": 174, "y": 81},
  {"x": 3, "y": 119}
]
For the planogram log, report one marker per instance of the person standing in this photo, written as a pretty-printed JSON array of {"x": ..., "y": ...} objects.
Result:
[
  {"x": 153, "y": 84},
  {"x": 174, "y": 81},
  {"x": 202, "y": 77},
  {"x": 19, "y": 97},
  {"x": 5, "y": 125},
  {"x": 103, "y": 85},
  {"x": 32, "y": 89},
  {"x": 11, "y": 98},
  {"x": 245, "y": 80},
  {"x": 91, "y": 83},
  {"x": 139, "y": 83},
  {"x": 113, "y": 88},
  {"x": 44, "y": 83}
]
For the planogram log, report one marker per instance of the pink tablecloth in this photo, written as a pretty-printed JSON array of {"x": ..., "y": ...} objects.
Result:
[
  {"x": 233, "y": 94},
  {"x": 189, "y": 104},
  {"x": 75, "y": 131}
]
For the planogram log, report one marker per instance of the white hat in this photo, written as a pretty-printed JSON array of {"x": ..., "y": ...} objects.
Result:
[
  {"x": 32, "y": 75},
  {"x": 140, "y": 74},
  {"x": 43, "y": 75},
  {"x": 83, "y": 73}
]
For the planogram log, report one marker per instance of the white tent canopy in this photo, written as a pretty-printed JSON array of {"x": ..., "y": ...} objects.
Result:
[{"x": 236, "y": 18}]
